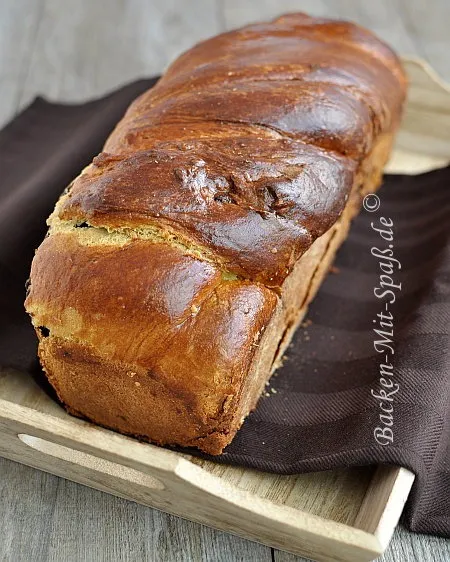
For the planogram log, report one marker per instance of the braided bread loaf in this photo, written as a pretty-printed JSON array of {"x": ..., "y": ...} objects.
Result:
[{"x": 180, "y": 262}]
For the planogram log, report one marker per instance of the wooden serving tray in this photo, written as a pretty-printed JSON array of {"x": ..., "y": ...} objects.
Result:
[{"x": 346, "y": 515}]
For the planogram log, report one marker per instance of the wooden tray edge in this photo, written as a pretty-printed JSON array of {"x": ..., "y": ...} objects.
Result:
[{"x": 165, "y": 480}]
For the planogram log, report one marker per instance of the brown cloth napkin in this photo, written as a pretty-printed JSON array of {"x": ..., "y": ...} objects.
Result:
[{"x": 325, "y": 404}]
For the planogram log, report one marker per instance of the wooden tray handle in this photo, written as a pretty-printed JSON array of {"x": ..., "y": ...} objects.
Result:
[{"x": 90, "y": 462}]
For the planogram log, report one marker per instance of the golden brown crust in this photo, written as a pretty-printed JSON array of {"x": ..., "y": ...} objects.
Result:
[
  {"x": 255, "y": 205},
  {"x": 326, "y": 81},
  {"x": 179, "y": 263},
  {"x": 163, "y": 322}
]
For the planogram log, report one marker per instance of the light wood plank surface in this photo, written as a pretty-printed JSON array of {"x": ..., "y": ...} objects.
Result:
[{"x": 76, "y": 49}]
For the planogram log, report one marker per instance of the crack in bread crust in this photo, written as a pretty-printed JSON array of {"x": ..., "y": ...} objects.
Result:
[{"x": 252, "y": 207}]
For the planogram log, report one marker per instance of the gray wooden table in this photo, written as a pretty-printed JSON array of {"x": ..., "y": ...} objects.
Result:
[{"x": 75, "y": 49}]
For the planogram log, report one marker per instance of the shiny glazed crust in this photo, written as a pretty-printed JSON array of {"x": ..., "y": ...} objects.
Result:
[{"x": 180, "y": 262}]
